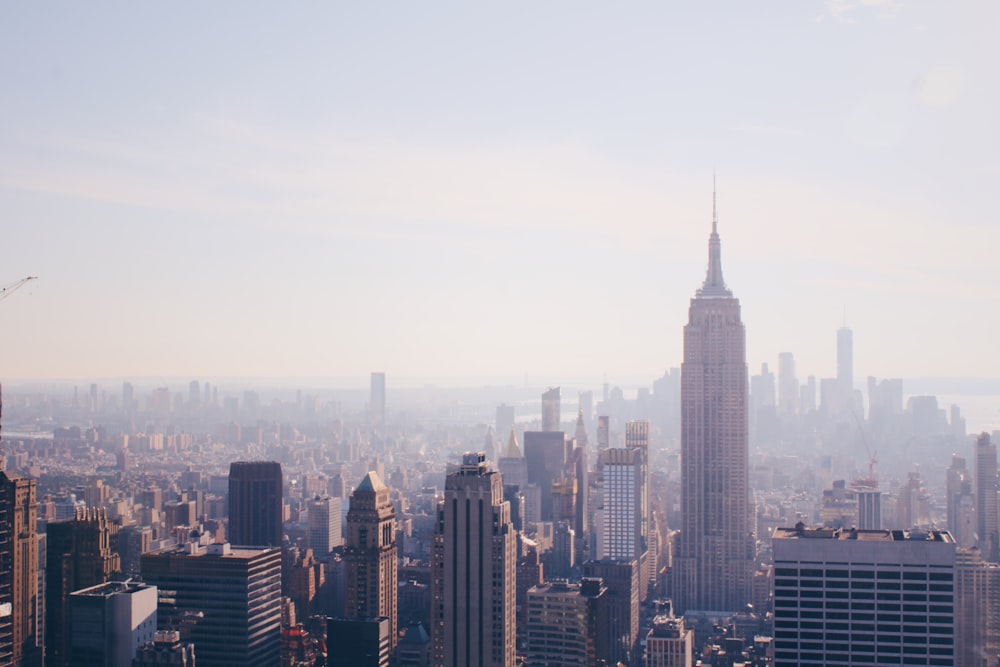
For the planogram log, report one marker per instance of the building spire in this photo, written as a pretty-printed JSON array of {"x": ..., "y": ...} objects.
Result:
[{"x": 714, "y": 284}]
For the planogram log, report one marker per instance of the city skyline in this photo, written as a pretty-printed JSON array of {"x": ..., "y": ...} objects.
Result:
[{"x": 354, "y": 197}]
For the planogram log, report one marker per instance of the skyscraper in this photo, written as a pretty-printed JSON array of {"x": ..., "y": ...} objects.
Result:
[
  {"x": 109, "y": 622},
  {"x": 545, "y": 455},
  {"x": 863, "y": 597},
  {"x": 370, "y": 557},
  {"x": 19, "y": 622},
  {"x": 237, "y": 591},
  {"x": 986, "y": 498},
  {"x": 81, "y": 552},
  {"x": 714, "y": 561},
  {"x": 624, "y": 491},
  {"x": 551, "y": 410},
  {"x": 255, "y": 495},
  {"x": 474, "y": 566},
  {"x": 325, "y": 532},
  {"x": 377, "y": 402},
  {"x": 845, "y": 360}
]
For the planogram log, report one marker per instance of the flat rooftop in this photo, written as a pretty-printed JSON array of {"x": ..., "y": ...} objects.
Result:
[{"x": 800, "y": 532}]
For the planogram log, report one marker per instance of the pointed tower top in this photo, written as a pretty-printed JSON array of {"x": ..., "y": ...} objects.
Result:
[
  {"x": 581, "y": 430},
  {"x": 512, "y": 451},
  {"x": 371, "y": 483},
  {"x": 714, "y": 284}
]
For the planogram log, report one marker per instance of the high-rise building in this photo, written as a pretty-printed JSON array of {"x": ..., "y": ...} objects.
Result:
[
  {"x": 324, "y": 520},
  {"x": 512, "y": 464},
  {"x": 714, "y": 560},
  {"x": 845, "y": 360},
  {"x": 370, "y": 559},
  {"x": 669, "y": 643},
  {"x": 986, "y": 498},
  {"x": 236, "y": 591},
  {"x": 109, "y": 622},
  {"x": 621, "y": 578},
  {"x": 358, "y": 642},
  {"x": 473, "y": 571},
  {"x": 376, "y": 404},
  {"x": 20, "y": 643},
  {"x": 545, "y": 456},
  {"x": 961, "y": 502},
  {"x": 81, "y": 553},
  {"x": 977, "y": 610},
  {"x": 624, "y": 492},
  {"x": 565, "y": 624},
  {"x": 788, "y": 385},
  {"x": 255, "y": 497},
  {"x": 863, "y": 597},
  {"x": 551, "y": 407},
  {"x": 869, "y": 499}
]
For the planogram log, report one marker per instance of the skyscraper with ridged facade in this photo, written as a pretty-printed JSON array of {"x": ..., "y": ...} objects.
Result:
[
  {"x": 714, "y": 560},
  {"x": 370, "y": 564}
]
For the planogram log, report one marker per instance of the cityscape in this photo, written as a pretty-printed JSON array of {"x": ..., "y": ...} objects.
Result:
[
  {"x": 524, "y": 335},
  {"x": 713, "y": 519}
]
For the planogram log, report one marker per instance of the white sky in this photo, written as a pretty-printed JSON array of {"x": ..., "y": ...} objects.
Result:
[{"x": 493, "y": 189}]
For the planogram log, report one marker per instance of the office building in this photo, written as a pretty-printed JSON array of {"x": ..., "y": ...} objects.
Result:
[
  {"x": 370, "y": 558},
  {"x": 376, "y": 405},
  {"x": 545, "y": 456},
  {"x": 669, "y": 643},
  {"x": 20, "y": 641},
  {"x": 621, "y": 631},
  {"x": 986, "y": 498},
  {"x": 863, "y": 597},
  {"x": 473, "y": 571},
  {"x": 977, "y": 609},
  {"x": 715, "y": 555},
  {"x": 237, "y": 592},
  {"x": 845, "y": 360},
  {"x": 624, "y": 493},
  {"x": 109, "y": 622},
  {"x": 255, "y": 503},
  {"x": 81, "y": 553},
  {"x": 869, "y": 499},
  {"x": 325, "y": 523},
  {"x": 513, "y": 466},
  {"x": 565, "y": 624},
  {"x": 358, "y": 642},
  {"x": 551, "y": 407}
]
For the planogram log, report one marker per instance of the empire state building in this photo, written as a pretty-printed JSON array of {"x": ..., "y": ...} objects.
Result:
[{"x": 714, "y": 560}]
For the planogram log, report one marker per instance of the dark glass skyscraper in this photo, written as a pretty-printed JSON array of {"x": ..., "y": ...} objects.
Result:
[
  {"x": 255, "y": 503},
  {"x": 714, "y": 561}
]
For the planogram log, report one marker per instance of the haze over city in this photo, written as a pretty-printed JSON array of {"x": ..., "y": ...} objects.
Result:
[{"x": 463, "y": 191}]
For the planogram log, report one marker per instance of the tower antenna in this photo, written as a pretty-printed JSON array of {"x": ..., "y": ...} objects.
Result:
[{"x": 715, "y": 215}]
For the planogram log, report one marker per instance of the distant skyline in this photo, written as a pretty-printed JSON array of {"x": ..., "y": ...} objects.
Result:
[{"x": 482, "y": 191}]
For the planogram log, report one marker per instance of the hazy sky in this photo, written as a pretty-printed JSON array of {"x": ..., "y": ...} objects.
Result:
[{"x": 493, "y": 189}]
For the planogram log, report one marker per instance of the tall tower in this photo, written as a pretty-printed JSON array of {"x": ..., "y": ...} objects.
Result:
[
  {"x": 986, "y": 498},
  {"x": 370, "y": 558},
  {"x": 845, "y": 360},
  {"x": 714, "y": 563},
  {"x": 474, "y": 569},
  {"x": 19, "y": 621},
  {"x": 551, "y": 408},
  {"x": 255, "y": 513}
]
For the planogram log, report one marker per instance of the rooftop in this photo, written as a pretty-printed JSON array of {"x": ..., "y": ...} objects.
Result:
[{"x": 800, "y": 532}]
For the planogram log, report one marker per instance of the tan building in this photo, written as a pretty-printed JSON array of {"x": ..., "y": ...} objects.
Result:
[
  {"x": 370, "y": 559},
  {"x": 474, "y": 582},
  {"x": 566, "y": 624},
  {"x": 714, "y": 560},
  {"x": 669, "y": 643}
]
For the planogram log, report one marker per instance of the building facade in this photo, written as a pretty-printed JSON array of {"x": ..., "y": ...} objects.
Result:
[
  {"x": 255, "y": 503},
  {"x": 473, "y": 571},
  {"x": 370, "y": 557},
  {"x": 236, "y": 591},
  {"x": 20, "y": 640},
  {"x": 863, "y": 597},
  {"x": 109, "y": 622},
  {"x": 565, "y": 623}
]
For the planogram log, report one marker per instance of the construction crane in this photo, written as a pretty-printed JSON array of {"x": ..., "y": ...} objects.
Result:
[{"x": 7, "y": 290}]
